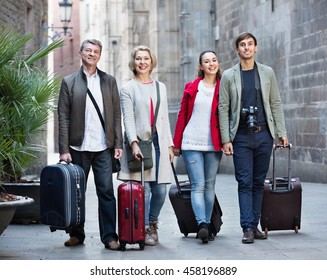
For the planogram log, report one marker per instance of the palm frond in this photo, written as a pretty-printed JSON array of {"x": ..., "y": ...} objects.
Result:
[
  {"x": 27, "y": 93},
  {"x": 41, "y": 53},
  {"x": 11, "y": 43}
]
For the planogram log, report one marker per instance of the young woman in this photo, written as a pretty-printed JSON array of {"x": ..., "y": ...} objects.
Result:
[
  {"x": 197, "y": 137},
  {"x": 138, "y": 101}
]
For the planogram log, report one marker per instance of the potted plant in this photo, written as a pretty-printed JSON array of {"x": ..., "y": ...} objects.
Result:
[
  {"x": 8, "y": 205},
  {"x": 27, "y": 92}
]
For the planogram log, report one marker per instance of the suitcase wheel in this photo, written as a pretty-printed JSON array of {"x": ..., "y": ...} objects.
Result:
[
  {"x": 296, "y": 229},
  {"x": 142, "y": 245},
  {"x": 266, "y": 231},
  {"x": 122, "y": 246},
  {"x": 185, "y": 234}
]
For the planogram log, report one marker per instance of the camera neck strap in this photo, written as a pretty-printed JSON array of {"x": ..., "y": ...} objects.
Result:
[
  {"x": 256, "y": 77},
  {"x": 256, "y": 81}
]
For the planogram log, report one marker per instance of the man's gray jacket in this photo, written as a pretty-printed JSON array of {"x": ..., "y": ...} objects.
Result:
[{"x": 71, "y": 110}]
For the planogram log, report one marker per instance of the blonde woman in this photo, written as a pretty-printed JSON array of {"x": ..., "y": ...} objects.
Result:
[{"x": 138, "y": 100}]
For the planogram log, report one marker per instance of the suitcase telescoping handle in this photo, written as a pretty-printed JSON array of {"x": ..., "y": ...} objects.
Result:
[
  {"x": 136, "y": 203},
  {"x": 280, "y": 146},
  {"x": 142, "y": 169},
  {"x": 176, "y": 178}
]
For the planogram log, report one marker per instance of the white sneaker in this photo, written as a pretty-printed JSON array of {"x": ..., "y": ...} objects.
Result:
[{"x": 148, "y": 238}]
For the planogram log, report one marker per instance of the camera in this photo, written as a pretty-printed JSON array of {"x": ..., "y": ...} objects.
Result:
[{"x": 250, "y": 115}]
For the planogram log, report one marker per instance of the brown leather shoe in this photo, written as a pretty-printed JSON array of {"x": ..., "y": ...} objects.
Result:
[
  {"x": 72, "y": 241},
  {"x": 112, "y": 245},
  {"x": 258, "y": 234},
  {"x": 248, "y": 237}
]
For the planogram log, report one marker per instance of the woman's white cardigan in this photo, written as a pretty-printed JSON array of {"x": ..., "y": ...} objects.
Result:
[{"x": 135, "y": 100}]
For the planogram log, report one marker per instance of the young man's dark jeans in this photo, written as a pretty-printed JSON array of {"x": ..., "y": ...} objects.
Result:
[{"x": 252, "y": 151}]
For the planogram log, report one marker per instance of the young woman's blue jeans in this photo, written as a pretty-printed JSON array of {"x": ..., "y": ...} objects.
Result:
[
  {"x": 251, "y": 157},
  {"x": 154, "y": 193},
  {"x": 202, "y": 168}
]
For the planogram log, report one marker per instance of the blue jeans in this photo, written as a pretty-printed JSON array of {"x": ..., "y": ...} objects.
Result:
[
  {"x": 251, "y": 158},
  {"x": 154, "y": 193},
  {"x": 202, "y": 168},
  {"x": 101, "y": 166}
]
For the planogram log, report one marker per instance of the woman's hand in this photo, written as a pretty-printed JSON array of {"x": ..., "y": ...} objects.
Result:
[
  {"x": 136, "y": 150},
  {"x": 228, "y": 149},
  {"x": 177, "y": 152},
  {"x": 171, "y": 154}
]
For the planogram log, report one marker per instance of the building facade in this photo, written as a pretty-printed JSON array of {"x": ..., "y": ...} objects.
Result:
[
  {"x": 65, "y": 60},
  {"x": 292, "y": 39},
  {"x": 26, "y": 16}
]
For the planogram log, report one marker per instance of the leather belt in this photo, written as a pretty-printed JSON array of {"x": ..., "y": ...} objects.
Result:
[{"x": 261, "y": 128}]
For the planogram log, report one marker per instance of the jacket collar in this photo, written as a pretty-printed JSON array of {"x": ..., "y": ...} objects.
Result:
[
  {"x": 192, "y": 87},
  {"x": 99, "y": 72}
]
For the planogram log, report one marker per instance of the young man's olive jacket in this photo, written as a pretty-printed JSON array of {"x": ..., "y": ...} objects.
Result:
[{"x": 230, "y": 102}]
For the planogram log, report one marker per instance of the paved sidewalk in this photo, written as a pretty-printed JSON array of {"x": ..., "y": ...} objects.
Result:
[
  {"x": 30, "y": 250},
  {"x": 36, "y": 242}
]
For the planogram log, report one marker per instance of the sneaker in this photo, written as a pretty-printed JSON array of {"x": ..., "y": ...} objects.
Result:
[
  {"x": 153, "y": 229},
  {"x": 148, "y": 238},
  {"x": 112, "y": 245}
]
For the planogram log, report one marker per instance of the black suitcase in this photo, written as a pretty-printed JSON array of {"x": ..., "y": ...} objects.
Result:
[
  {"x": 180, "y": 198},
  {"x": 282, "y": 199},
  {"x": 62, "y": 196}
]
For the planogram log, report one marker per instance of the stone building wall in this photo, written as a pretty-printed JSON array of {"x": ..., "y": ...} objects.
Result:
[
  {"x": 292, "y": 39},
  {"x": 26, "y": 16},
  {"x": 13, "y": 14}
]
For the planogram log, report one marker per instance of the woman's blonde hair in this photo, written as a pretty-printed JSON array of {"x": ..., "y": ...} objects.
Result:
[{"x": 131, "y": 63}]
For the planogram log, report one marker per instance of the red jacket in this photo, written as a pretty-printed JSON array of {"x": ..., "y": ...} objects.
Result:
[{"x": 185, "y": 113}]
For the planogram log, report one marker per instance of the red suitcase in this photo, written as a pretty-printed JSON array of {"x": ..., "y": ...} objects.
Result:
[
  {"x": 282, "y": 199},
  {"x": 131, "y": 212}
]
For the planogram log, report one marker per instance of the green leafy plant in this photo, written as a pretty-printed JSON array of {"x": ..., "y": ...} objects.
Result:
[{"x": 27, "y": 92}]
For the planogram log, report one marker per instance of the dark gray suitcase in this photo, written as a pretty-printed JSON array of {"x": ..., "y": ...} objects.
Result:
[
  {"x": 62, "y": 196},
  {"x": 180, "y": 198},
  {"x": 282, "y": 199}
]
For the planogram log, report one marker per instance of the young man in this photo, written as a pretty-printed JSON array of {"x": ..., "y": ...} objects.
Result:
[
  {"x": 250, "y": 115},
  {"x": 85, "y": 141}
]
